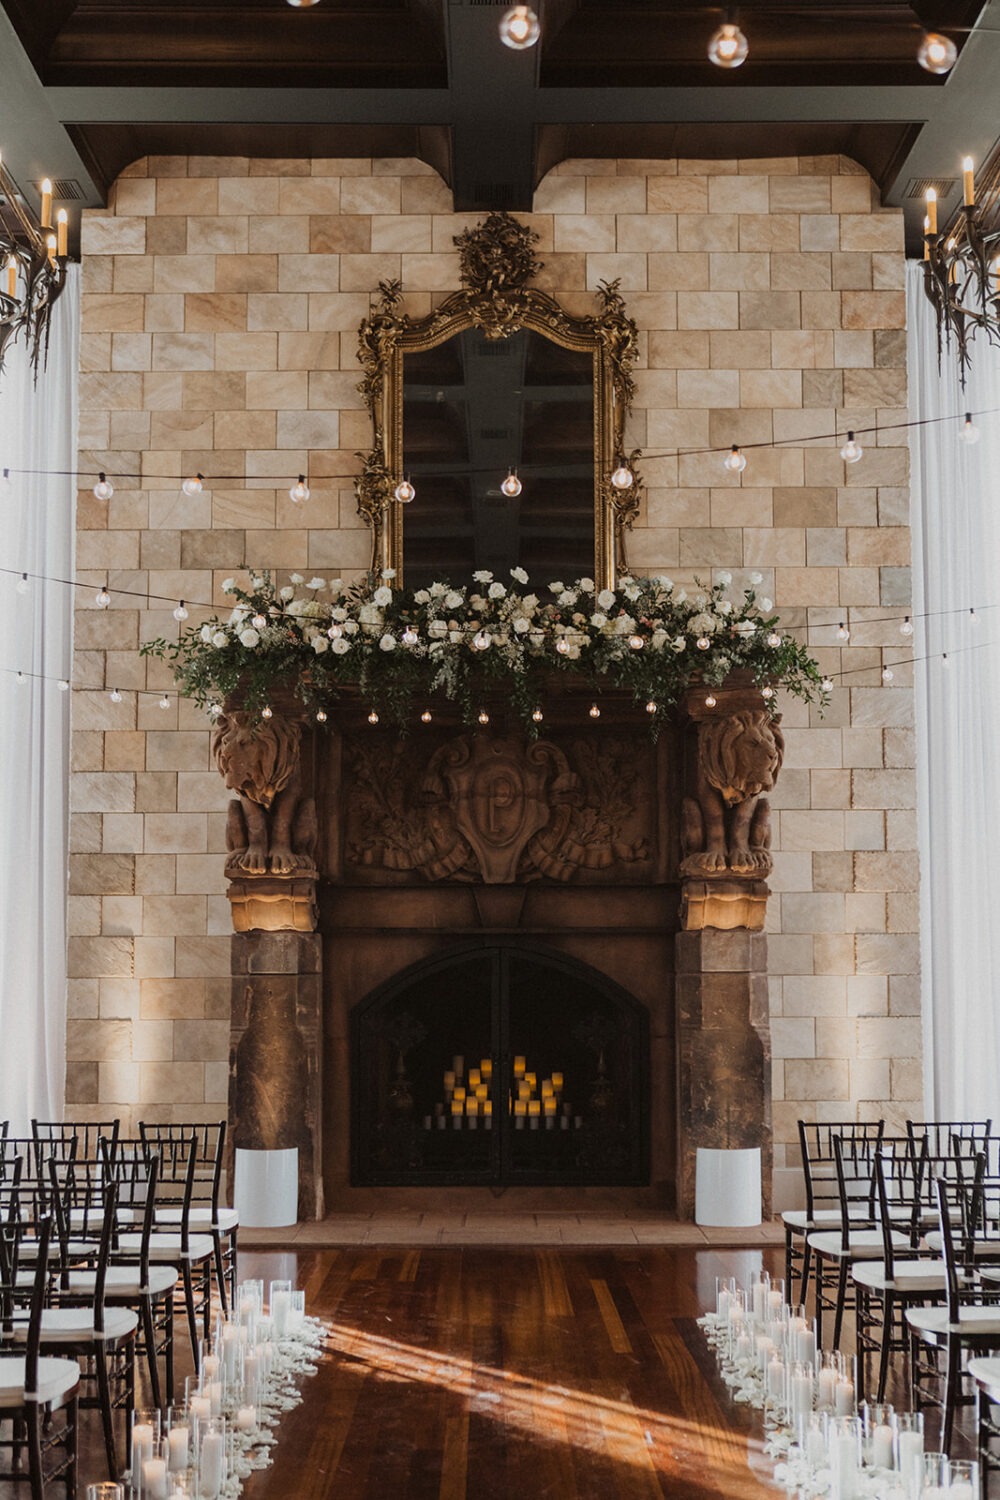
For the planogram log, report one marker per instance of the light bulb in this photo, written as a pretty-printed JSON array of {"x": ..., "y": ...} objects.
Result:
[
  {"x": 20, "y": 677},
  {"x": 410, "y": 636},
  {"x": 482, "y": 640},
  {"x": 936, "y": 53},
  {"x": 728, "y": 47},
  {"x": 373, "y": 717},
  {"x": 970, "y": 432},
  {"x": 335, "y": 632},
  {"x": 887, "y": 674},
  {"x": 193, "y": 485},
  {"x": 63, "y": 685},
  {"x": 843, "y": 634},
  {"x": 103, "y": 489},
  {"x": 767, "y": 692},
  {"x": 636, "y": 642},
  {"x": 827, "y": 685},
  {"x": 259, "y": 622},
  {"x": 102, "y": 598},
  {"x": 703, "y": 643},
  {"x": 907, "y": 627},
  {"x": 267, "y": 712},
  {"x": 852, "y": 450},
  {"x": 115, "y": 695},
  {"x": 164, "y": 701},
  {"x": 519, "y": 27},
  {"x": 562, "y": 645},
  {"x": 299, "y": 491},
  {"x": 774, "y": 640},
  {"x": 180, "y": 613},
  {"x": 623, "y": 478},
  {"x": 321, "y": 716},
  {"x": 651, "y": 707},
  {"x": 945, "y": 662},
  {"x": 711, "y": 701},
  {"x": 426, "y": 716},
  {"x": 735, "y": 460},
  {"x": 303, "y": 4},
  {"x": 973, "y": 617},
  {"x": 22, "y": 584},
  {"x": 483, "y": 716},
  {"x": 595, "y": 712},
  {"x": 512, "y": 485},
  {"x": 404, "y": 491},
  {"x": 537, "y": 715}
]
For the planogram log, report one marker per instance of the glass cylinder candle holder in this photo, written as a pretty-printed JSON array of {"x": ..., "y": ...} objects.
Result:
[
  {"x": 757, "y": 1296},
  {"x": 935, "y": 1474},
  {"x": 725, "y": 1290},
  {"x": 279, "y": 1303},
  {"x": 297, "y": 1312},
  {"x": 106, "y": 1491},
  {"x": 831, "y": 1368},
  {"x": 844, "y": 1437},
  {"x": 909, "y": 1454},
  {"x": 145, "y": 1440},
  {"x": 801, "y": 1390},
  {"x": 211, "y": 1462},
  {"x": 155, "y": 1473},
  {"x": 963, "y": 1479},
  {"x": 177, "y": 1433},
  {"x": 813, "y": 1440},
  {"x": 776, "y": 1300},
  {"x": 878, "y": 1421},
  {"x": 803, "y": 1335}
]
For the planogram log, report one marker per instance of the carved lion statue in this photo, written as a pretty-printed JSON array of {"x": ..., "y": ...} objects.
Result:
[
  {"x": 727, "y": 823},
  {"x": 272, "y": 828}
]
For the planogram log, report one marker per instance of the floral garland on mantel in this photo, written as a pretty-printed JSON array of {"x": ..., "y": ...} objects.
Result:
[{"x": 398, "y": 648}]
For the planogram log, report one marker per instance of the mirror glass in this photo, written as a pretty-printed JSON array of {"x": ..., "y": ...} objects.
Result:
[{"x": 473, "y": 409}]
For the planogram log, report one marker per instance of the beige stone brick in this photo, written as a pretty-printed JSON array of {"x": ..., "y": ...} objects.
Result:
[
  {"x": 112, "y": 236},
  {"x": 709, "y": 310},
  {"x": 770, "y": 310},
  {"x": 818, "y": 1079}
]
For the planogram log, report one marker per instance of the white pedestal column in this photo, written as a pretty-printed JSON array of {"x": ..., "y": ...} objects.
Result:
[
  {"x": 727, "y": 1188},
  {"x": 266, "y": 1189}
]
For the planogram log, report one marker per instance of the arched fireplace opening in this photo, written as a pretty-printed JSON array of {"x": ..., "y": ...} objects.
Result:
[{"x": 500, "y": 1065}]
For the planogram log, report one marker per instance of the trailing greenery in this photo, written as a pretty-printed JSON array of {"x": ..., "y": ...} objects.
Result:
[{"x": 399, "y": 648}]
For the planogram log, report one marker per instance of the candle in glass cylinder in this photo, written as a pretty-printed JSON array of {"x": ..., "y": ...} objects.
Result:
[
  {"x": 531, "y": 1079},
  {"x": 909, "y": 1457},
  {"x": 210, "y": 1367},
  {"x": 449, "y": 1081},
  {"x": 547, "y": 1090},
  {"x": 154, "y": 1479},
  {"x": 230, "y": 1349},
  {"x": 882, "y": 1446},
  {"x": 211, "y": 1456},
  {"x": 488, "y": 1114},
  {"x": 179, "y": 1447},
  {"x": 475, "y": 1077},
  {"x": 519, "y": 1067},
  {"x": 931, "y": 202},
  {"x": 142, "y": 1447},
  {"x": 969, "y": 181},
  {"x": 805, "y": 1346},
  {"x": 776, "y": 1379},
  {"x": 557, "y": 1082},
  {"x": 458, "y": 1064},
  {"x": 827, "y": 1388},
  {"x": 520, "y": 1113},
  {"x": 801, "y": 1392},
  {"x": 457, "y": 1110},
  {"x": 213, "y": 1390},
  {"x": 200, "y": 1408},
  {"x": 843, "y": 1403},
  {"x": 486, "y": 1067},
  {"x": 246, "y": 1419}
]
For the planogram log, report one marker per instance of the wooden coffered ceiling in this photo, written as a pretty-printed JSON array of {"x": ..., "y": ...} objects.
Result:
[{"x": 86, "y": 86}]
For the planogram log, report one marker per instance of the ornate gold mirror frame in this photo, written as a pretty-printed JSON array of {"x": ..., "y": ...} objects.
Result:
[{"x": 497, "y": 262}]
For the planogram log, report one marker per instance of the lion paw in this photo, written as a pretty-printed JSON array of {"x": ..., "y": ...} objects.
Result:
[
  {"x": 254, "y": 860},
  {"x": 709, "y": 862}
]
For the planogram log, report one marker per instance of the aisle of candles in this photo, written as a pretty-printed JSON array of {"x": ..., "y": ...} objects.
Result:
[
  {"x": 204, "y": 1448},
  {"x": 822, "y": 1442},
  {"x": 533, "y": 1105}
]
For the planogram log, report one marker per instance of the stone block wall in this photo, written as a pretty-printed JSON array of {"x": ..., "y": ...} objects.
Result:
[{"x": 222, "y": 300}]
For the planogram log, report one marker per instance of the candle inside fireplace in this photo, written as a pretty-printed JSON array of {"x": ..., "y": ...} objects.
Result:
[{"x": 519, "y": 1067}]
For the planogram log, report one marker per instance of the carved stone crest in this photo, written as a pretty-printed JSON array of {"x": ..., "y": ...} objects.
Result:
[{"x": 496, "y": 810}]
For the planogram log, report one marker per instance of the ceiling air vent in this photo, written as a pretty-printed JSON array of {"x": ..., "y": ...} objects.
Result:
[
  {"x": 494, "y": 434},
  {"x": 943, "y": 186},
  {"x": 496, "y": 194},
  {"x": 66, "y": 188}
]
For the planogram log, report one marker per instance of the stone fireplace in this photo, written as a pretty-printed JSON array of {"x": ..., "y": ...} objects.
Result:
[{"x": 566, "y": 929}]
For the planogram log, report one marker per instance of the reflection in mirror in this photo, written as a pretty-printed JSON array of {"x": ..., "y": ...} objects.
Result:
[{"x": 475, "y": 408}]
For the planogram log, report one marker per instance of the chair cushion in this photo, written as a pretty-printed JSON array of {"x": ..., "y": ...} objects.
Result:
[
  {"x": 934, "y": 1320},
  {"x": 798, "y": 1218},
  {"x": 165, "y": 1249},
  {"x": 981, "y": 1249},
  {"x": 123, "y": 1284},
  {"x": 57, "y": 1378},
  {"x": 986, "y": 1374},
  {"x": 72, "y": 1324},
  {"x": 201, "y": 1218},
  {"x": 863, "y": 1244},
  {"x": 910, "y": 1277}
]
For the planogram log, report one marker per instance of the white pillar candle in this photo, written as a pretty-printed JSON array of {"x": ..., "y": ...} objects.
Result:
[
  {"x": 200, "y": 1407},
  {"x": 844, "y": 1466},
  {"x": 882, "y": 1447},
  {"x": 722, "y": 1304},
  {"x": 213, "y": 1390},
  {"x": 210, "y": 1367},
  {"x": 844, "y": 1398},
  {"x": 816, "y": 1446},
  {"x": 758, "y": 1295},
  {"x": 960, "y": 1491},
  {"x": 805, "y": 1346},
  {"x": 251, "y": 1373},
  {"x": 279, "y": 1312},
  {"x": 154, "y": 1478},
  {"x": 179, "y": 1440},
  {"x": 827, "y": 1388},
  {"x": 210, "y": 1464},
  {"x": 230, "y": 1349},
  {"x": 910, "y": 1446},
  {"x": 743, "y": 1347},
  {"x": 776, "y": 1380},
  {"x": 142, "y": 1447},
  {"x": 774, "y": 1303},
  {"x": 246, "y": 1419},
  {"x": 801, "y": 1395}
]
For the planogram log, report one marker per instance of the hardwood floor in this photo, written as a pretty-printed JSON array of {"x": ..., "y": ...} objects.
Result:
[{"x": 571, "y": 1374}]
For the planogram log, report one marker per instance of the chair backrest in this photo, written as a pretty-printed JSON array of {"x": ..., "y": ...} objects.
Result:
[
  {"x": 854, "y": 1165},
  {"x": 49, "y": 1133},
  {"x": 941, "y": 1135},
  {"x": 898, "y": 1174},
  {"x": 819, "y": 1164},
  {"x": 174, "y": 1141},
  {"x": 21, "y": 1307},
  {"x": 135, "y": 1172}
]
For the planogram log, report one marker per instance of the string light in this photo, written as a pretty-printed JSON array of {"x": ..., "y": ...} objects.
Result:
[
  {"x": 335, "y": 631},
  {"x": 482, "y": 640},
  {"x": 519, "y": 28},
  {"x": 767, "y": 692},
  {"x": 774, "y": 640},
  {"x": 595, "y": 712},
  {"x": 969, "y": 432},
  {"x": 215, "y": 709},
  {"x": 321, "y": 716},
  {"x": 735, "y": 460},
  {"x": 102, "y": 598},
  {"x": 843, "y": 634},
  {"x": 63, "y": 685},
  {"x": 259, "y": 622},
  {"x": 194, "y": 484},
  {"x": 703, "y": 643},
  {"x": 537, "y": 715},
  {"x": 562, "y": 645},
  {"x": 622, "y": 478},
  {"x": 180, "y": 613},
  {"x": 103, "y": 489},
  {"x": 852, "y": 450},
  {"x": 651, "y": 707},
  {"x": 22, "y": 584},
  {"x": 410, "y": 637},
  {"x": 907, "y": 627},
  {"x": 165, "y": 701},
  {"x": 426, "y": 716},
  {"x": 936, "y": 53},
  {"x": 300, "y": 491},
  {"x": 512, "y": 486},
  {"x": 267, "y": 712},
  {"x": 887, "y": 675},
  {"x": 636, "y": 642},
  {"x": 115, "y": 695},
  {"x": 404, "y": 491},
  {"x": 974, "y": 618},
  {"x": 944, "y": 661},
  {"x": 373, "y": 717},
  {"x": 21, "y": 678},
  {"x": 711, "y": 701},
  {"x": 728, "y": 47},
  {"x": 827, "y": 685},
  {"x": 483, "y": 716}
]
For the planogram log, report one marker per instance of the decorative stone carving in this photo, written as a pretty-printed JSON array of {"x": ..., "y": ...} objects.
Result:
[
  {"x": 494, "y": 810},
  {"x": 726, "y": 824},
  {"x": 271, "y": 829}
]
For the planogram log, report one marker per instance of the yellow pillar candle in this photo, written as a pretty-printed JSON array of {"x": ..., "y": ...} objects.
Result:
[
  {"x": 50, "y": 246},
  {"x": 486, "y": 1068},
  {"x": 519, "y": 1065},
  {"x": 46, "y": 210},
  {"x": 969, "y": 181},
  {"x": 532, "y": 1079},
  {"x": 931, "y": 201},
  {"x": 456, "y": 1107},
  {"x": 472, "y": 1106},
  {"x": 62, "y": 232},
  {"x": 548, "y": 1088},
  {"x": 474, "y": 1077},
  {"x": 524, "y": 1090},
  {"x": 927, "y": 230},
  {"x": 12, "y": 277},
  {"x": 459, "y": 1093},
  {"x": 520, "y": 1106},
  {"x": 488, "y": 1108},
  {"x": 557, "y": 1081},
  {"x": 534, "y": 1106},
  {"x": 482, "y": 1092},
  {"x": 550, "y": 1106},
  {"x": 449, "y": 1079}
]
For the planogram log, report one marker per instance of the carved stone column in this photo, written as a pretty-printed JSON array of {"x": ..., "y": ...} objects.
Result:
[{"x": 732, "y": 755}]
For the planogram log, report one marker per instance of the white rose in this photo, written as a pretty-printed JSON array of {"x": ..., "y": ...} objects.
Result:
[
  {"x": 765, "y": 605},
  {"x": 388, "y": 572},
  {"x": 725, "y": 579},
  {"x": 567, "y": 598},
  {"x": 666, "y": 584},
  {"x": 680, "y": 597},
  {"x": 320, "y": 644},
  {"x": 521, "y": 626},
  {"x": 336, "y": 584},
  {"x": 497, "y": 591},
  {"x": 228, "y": 584},
  {"x": 296, "y": 577},
  {"x": 316, "y": 583},
  {"x": 700, "y": 601},
  {"x": 519, "y": 575},
  {"x": 249, "y": 637},
  {"x": 258, "y": 583},
  {"x": 437, "y": 589},
  {"x": 724, "y": 607},
  {"x": 632, "y": 593},
  {"x": 756, "y": 578},
  {"x": 238, "y": 615},
  {"x": 339, "y": 614},
  {"x": 455, "y": 636},
  {"x": 387, "y": 643},
  {"x": 702, "y": 624},
  {"x": 536, "y": 639},
  {"x": 606, "y": 598},
  {"x": 220, "y": 639},
  {"x": 556, "y": 588},
  {"x": 679, "y": 643},
  {"x": 745, "y": 628},
  {"x": 382, "y": 597},
  {"x": 598, "y": 621},
  {"x": 624, "y": 625},
  {"x": 421, "y": 597},
  {"x": 351, "y": 627},
  {"x": 339, "y": 646},
  {"x": 297, "y": 607},
  {"x": 437, "y": 630},
  {"x": 658, "y": 640},
  {"x": 206, "y": 634},
  {"x": 587, "y": 585},
  {"x": 370, "y": 614},
  {"x": 529, "y": 603},
  {"x": 452, "y": 599},
  {"x": 483, "y": 576}
]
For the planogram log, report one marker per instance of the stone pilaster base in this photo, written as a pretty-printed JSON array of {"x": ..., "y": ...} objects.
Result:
[
  {"x": 724, "y": 1043},
  {"x": 275, "y": 1052}
]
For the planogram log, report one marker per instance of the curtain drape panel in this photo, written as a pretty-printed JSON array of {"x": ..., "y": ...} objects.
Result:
[
  {"x": 38, "y": 430},
  {"x": 956, "y": 562}
]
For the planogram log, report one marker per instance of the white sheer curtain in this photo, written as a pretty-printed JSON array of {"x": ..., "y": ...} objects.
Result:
[
  {"x": 956, "y": 557},
  {"x": 38, "y": 426}
]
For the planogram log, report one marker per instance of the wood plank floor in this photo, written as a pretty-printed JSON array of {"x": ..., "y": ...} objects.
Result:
[{"x": 574, "y": 1374}]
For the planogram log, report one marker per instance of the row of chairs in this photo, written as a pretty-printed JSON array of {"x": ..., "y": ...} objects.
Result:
[
  {"x": 100, "y": 1236},
  {"x": 903, "y": 1231}
]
